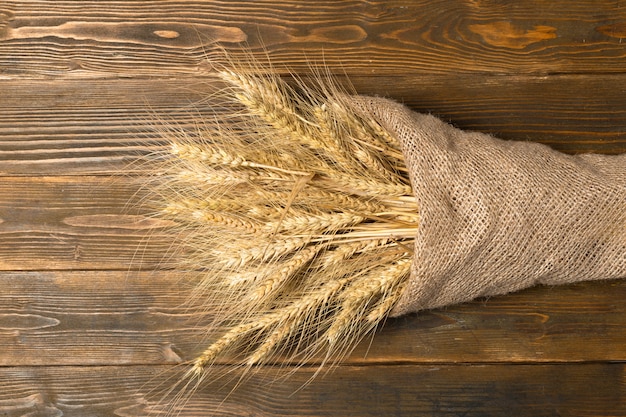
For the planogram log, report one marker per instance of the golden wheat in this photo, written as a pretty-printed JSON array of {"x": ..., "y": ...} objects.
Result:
[{"x": 297, "y": 212}]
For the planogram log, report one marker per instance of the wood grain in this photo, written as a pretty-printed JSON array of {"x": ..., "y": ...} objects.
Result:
[
  {"x": 65, "y": 223},
  {"x": 125, "y": 318},
  {"x": 89, "y": 326},
  {"x": 111, "y": 38},
  {"x": 433, "y": 390}
]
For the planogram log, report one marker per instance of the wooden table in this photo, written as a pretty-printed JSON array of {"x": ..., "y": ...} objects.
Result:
[{"x": 90, "y": 327}]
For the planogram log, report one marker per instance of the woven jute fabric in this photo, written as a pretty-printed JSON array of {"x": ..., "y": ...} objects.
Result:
[{"x": 498, "y": 216}]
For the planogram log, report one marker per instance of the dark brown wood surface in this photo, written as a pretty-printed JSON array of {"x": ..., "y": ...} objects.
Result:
[{"x": 89, "y": 327}]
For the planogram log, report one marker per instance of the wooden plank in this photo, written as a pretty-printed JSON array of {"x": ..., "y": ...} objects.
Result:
[
  {"x": 80, "y": 318},
  {"x": 164, "y": 38},
  {"x": 49, "y": 223},
  {"x": 103, "y": 126},
  {"x": 119, "y": 318},
  {"x": 595, "y": 389},
  {"x": 79, "y": 223}
]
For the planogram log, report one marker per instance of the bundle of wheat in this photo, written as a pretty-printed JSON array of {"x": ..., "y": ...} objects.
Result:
[
  {"x": 317, "y": 214},
  {"x": 300, "y": 218}
]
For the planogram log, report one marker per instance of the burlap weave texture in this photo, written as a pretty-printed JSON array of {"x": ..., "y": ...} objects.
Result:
[{"x": 498, "y": 216}]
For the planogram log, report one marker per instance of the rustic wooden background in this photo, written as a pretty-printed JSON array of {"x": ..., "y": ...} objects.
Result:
[{"x": 87, "y": 330}]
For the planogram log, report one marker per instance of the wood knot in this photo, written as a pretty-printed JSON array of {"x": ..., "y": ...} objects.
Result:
[
  {"x": 504, "y": 34},
  {"x": 167, "y": 34}
]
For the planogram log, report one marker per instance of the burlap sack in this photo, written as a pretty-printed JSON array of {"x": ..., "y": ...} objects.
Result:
[{"x": 499, "y": 216}]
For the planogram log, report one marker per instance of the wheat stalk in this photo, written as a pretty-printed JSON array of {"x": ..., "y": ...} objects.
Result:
[{"x": 301, "y": 219}]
